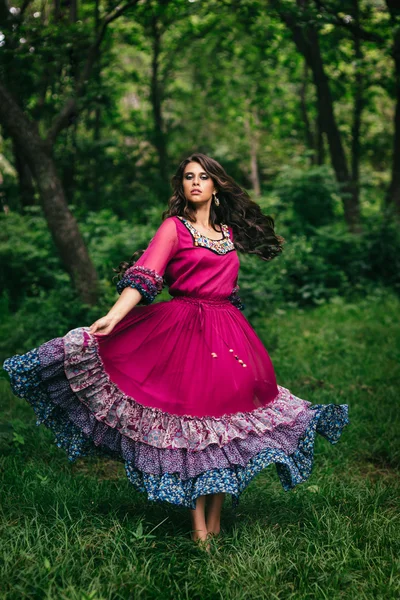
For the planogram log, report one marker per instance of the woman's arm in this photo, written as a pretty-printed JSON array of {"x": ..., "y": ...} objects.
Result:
[
  {"x": 144, "y": 280},
  {"x": 127, "y": 300}
]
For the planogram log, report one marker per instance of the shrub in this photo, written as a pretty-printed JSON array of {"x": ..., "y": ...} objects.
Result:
[
  {"x": 312, "y": 195},
  {"x": 39, "y": 303},
  {"x": 331, "y": 262}
]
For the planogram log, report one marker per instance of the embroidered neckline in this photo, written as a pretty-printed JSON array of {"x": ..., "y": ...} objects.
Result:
[{"x": 219, "y": 246}]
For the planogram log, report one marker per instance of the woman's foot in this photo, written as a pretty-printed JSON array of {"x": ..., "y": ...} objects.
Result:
[
  {"x": 199, "y": 527},
  {"x": 213, "y": 528},
  {"x": 213, "y": 521},
  {"x": 199, "y": 535},
  {"x": 202, "y": 542},
  {"x": 213, "y": 534}
]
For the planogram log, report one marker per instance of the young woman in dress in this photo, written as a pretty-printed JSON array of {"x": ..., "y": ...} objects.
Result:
[{"x": 183, "y": 391}]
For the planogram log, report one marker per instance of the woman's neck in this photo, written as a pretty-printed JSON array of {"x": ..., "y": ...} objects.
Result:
[{"x": 202, "y": 217}]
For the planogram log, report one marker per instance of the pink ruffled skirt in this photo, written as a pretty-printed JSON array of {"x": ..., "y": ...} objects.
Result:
[{"x": 183, "y": 392}]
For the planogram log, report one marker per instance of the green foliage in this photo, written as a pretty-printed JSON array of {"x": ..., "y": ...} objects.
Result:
[
  {"x": 39, "y": 303},
  {"x": 315, "y": 269},
  {"x": 29, "y": 261},
  {"x": 312, "y": 195},
  {"x": 227, "y": 78}
]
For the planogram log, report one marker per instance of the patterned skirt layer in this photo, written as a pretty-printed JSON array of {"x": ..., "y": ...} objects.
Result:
[{"x": 183, "y": 393}]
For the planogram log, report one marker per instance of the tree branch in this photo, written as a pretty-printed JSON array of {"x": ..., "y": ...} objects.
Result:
[
  {"x": 7, "y": 18},
  {"x": 62, "y": 120},
  {"x": 24, "y": 6},
  {"x": 354, "y": 28},
  {"x": 185, "y": 38}
]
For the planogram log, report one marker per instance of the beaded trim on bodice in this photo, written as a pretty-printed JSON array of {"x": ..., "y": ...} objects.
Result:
[{"x": 219, "y": 246}]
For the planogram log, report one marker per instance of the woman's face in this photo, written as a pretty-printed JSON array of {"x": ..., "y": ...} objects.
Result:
[{"x": 198, "y": 186}]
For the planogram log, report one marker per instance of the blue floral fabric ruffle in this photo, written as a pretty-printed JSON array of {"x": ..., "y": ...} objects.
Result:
[
  {"x": 147, "y": 281},
  {"x": 77, "y": 431},
  {"x": 329, "y": 421}
]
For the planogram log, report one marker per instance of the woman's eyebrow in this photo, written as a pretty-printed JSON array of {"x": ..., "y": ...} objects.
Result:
[{"x": 191, "y": 173}]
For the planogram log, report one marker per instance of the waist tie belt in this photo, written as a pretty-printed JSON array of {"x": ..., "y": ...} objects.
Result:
[
  {"x": 200, "y": 304},
  {"x": 223, "y": 302}
]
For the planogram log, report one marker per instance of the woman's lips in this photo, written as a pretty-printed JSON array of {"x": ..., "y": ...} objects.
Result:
[{"x": 195, "y": 192}]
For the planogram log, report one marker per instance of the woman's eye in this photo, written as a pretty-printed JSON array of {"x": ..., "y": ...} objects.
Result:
[{"x": 202, "y": 176}]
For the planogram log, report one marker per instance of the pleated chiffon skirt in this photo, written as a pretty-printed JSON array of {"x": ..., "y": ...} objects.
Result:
[{"x": 184, "y": 393}]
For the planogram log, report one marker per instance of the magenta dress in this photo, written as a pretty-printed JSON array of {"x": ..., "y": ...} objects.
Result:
[{"x": 182, "y": 391}]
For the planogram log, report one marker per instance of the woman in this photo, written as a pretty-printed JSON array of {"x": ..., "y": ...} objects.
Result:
[{"x": 183, "y": 391}]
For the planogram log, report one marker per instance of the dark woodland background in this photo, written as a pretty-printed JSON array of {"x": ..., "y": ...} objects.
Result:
[{"x": 300, "y": 101}]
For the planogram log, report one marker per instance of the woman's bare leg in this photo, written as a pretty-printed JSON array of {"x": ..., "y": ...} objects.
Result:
[
  {"x": 199, "y": 520},
  {"x": 214, "y": 506}
]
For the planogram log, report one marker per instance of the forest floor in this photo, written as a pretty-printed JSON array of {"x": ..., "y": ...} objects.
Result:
[{"x": 79, "y": 531}]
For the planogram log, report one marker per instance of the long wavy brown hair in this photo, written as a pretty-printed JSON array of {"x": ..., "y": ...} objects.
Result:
[{"x": 253, "y": 232}]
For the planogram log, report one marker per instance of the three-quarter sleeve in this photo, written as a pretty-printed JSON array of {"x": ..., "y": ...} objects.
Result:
[{"x": 146, "y": 275}]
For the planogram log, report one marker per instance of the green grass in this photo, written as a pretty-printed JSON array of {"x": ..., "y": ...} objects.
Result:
[{"x": 80, "y": 531}]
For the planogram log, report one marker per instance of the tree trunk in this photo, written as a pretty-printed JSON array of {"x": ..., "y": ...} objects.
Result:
[
  {"x": 328, "y": 121},
  {"x": 307, "y": 43},
  {"x": 253, "y": 146},
  {"x": 357, "y": 110},
  {"x": 392, "y": 200},
  {"x": 64, "y": 229},
  {"x": 393, "y": 194},
  {"x": 309, "y": 138},
  {"x": 320, "y": 141},
  {"x": 73, "y": 11},
  {"x": 57, "y": 10},
  {"x": 62, "y": 224},
  {"x": 97, "y": 116},
  {"x": 25, "y": 179},
  {"x": 255, "y": 179},
  {"x": 68, "y": 174},
  {"x": 160, "y": 141}
]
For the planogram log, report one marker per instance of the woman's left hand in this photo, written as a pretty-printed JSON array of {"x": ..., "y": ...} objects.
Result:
[{"x": 103, "y": 326}]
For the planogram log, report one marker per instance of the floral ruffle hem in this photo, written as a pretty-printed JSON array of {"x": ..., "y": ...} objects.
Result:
[{"x": 171, "y": 458}]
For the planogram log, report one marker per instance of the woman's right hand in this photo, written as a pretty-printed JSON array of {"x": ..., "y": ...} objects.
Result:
[{"x": 103, "y": 326}]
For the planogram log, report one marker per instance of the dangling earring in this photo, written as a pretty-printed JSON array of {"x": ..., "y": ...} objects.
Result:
[{"x": 215, "y": 199}]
